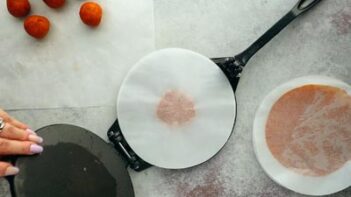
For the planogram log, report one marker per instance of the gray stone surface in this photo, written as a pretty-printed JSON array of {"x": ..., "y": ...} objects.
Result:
[{"x": 316, "y": 43}]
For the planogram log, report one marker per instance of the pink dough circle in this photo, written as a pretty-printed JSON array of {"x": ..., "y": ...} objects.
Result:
[{"x": 175, "y": 108}]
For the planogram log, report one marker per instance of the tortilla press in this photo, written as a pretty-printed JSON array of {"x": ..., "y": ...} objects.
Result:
[{"x": 232, "y": 68}]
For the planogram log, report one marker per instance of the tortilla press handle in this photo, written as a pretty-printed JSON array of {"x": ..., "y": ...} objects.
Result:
[
  {"x": 301, "y": 7},
  {"x": 115, "y": 135},
  {"x": 304, "y": 5},
  {"x": 233, "y": 66}
]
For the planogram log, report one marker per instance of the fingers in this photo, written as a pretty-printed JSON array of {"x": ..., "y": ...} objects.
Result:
[
  {"x": 6, "y": 169},
  {"x": 16, "y": 130},
  {"x": 8, "y": 119},
  {"x": 14, "y": 147},
  {"x": 17, "y": 123},
  {"x": 12, "y": 132},
  {"x": 15, "y": 133},
  {"x": 16, "y": 139}
]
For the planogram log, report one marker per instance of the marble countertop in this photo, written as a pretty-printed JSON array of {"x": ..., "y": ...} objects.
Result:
[{"x": 317, "y": 43}]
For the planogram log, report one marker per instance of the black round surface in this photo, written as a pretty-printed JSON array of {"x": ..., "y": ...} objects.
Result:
[{"x": 75, "y": 162}]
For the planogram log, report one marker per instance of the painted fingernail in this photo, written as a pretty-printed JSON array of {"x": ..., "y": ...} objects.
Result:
[
  {"x": 11, "y": 171},
  {"x": 30, "y": 131},
  {"x": 35, "y": 138},
  {"x": 34, "y": 148}
]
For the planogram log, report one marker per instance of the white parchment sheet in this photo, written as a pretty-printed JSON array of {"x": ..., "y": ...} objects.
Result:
[
  {"x": 75, "y": 65},
  {"x": 187, "y": 144}
]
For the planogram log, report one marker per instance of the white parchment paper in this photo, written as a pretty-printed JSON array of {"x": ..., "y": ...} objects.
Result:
[
  {"x": 75, "y": 65},
  {"x": 184, "y": 145}
]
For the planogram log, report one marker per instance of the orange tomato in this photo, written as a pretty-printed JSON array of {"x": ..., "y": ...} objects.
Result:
[
  {"x": 91, "y": 13},
  {"x": 37, "y": 26},
  {"x": 18, "y": 8},
  {"x": 55, "y": 3}
]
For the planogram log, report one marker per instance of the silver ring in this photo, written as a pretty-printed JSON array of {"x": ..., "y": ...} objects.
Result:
[{"x": 2, "y": 124}]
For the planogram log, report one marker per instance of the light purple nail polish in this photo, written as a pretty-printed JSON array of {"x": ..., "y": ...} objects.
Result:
[
  {"x": 35, "y": 138},
  {"x": 34, "y": 148},
  {"x": 30, "y": 131},
  {"x": 11, "y": 171}
]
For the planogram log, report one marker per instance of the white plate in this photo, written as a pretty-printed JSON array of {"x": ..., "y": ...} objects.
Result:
[
  {"x": 176, "y": 147},
  {"x": 310, "y": 185}
]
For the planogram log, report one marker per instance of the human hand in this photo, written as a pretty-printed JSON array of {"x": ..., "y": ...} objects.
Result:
[{"x": 16, "y": 139}]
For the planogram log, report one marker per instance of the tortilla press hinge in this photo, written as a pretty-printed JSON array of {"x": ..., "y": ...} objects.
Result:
[
  {"x": 232, "y": 68},
  {"x": 116, "y": 137}
]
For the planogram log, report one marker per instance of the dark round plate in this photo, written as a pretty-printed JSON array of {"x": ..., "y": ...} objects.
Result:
[{"x": 75, "y": 162}]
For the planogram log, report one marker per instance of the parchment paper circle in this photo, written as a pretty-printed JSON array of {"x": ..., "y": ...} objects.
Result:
[
  {"x": 309, "y": 185},
  {"x": 183, "y": 146}
]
